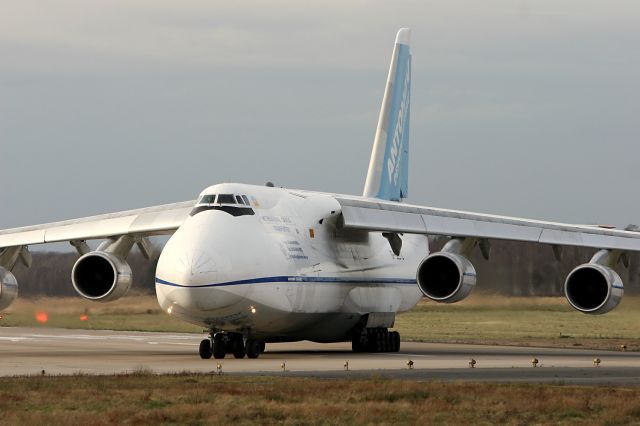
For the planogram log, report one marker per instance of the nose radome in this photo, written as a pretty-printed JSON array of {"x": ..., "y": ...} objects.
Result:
[
  {"x": 192, "y": 262},
  {"x": 185, "y": 266},
  {"x": 189, "y": 273}
]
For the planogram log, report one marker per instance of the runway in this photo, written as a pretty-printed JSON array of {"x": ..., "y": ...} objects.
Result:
[{"x": 28, "y": 351}]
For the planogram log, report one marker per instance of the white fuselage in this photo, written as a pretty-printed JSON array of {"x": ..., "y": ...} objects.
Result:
[{"x": 285, "y": 272}]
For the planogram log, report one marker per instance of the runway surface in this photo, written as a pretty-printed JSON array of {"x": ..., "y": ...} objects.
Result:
[{"x": 28, "y": 351}]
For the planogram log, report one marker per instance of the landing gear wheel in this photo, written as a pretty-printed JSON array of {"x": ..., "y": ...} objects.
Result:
[
  {"x": 205, "y": 349},
  {"x": 379, "y": 342},
  {"x": 219, "y": 347},
  {"x": 396, "y": 341},
  {"x": 237, "y": 347},
  {"x": 391, "y": 341},
  {"x": 356, "y": 344},
  {"x": 253, "y": 348}
]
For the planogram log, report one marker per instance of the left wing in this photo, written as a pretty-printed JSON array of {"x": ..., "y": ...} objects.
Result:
[
  {"x": 377, "y": 215},
  {"x": 156, "y": 220}
]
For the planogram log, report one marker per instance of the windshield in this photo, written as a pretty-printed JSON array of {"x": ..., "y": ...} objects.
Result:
[
  {"x": 235, "y": 205},
  {"x": 226, "y": 199},
  {"x": 207, "y": 199}
]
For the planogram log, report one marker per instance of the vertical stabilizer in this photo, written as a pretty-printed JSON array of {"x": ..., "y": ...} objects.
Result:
[{"x": 388, "y": 175}]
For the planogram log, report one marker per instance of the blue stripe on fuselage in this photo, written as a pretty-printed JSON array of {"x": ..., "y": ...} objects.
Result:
[{"x": 294, "y": 279}]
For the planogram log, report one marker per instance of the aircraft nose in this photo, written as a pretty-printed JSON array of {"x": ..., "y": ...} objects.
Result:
[{"x": 188, "y": 275}]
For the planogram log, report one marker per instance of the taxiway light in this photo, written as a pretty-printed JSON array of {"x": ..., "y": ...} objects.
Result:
[
  {"x": 596, "y": 362},
  {"x": 169, "y": 309},
  {"x": 218, "y": 368},
  {"x": 622, "y": 347},
  {"x": 534, "y": 362},
  {"x": 253, "y": 309},
  {"x": 84, "y": 317},
  {"x": 346, "y": 366},
  {"x": 472, "y": 363},
  {"x": 410, "y": 364},
  {"x": 42, "y": 317},
  {"x": 283, "y": 366}
]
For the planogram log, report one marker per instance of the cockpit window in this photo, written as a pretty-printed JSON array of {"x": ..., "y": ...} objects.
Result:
[
  {"x": 207, "y": 199},
  {"x": 235, "y": 205},
  {"x": 226, "y": 199}
]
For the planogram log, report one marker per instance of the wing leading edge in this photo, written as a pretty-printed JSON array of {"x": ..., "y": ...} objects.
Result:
[
  {"x": 156, "y": 220},
  {"x": 376, "y": 215}
]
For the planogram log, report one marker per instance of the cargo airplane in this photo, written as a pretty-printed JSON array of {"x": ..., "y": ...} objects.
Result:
[{"x": 262, "y": 264}]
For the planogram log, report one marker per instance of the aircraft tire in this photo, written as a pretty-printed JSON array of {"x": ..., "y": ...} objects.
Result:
[
  {"x": 356, "y": 346},
  {"x": 253, "y": 348},
  {"x": 388, "y": 342},
  {"x": 396, "y": 341},
  {"x": 205, "y": 349},
  {"x": 219, "y": 347},
  {"x": 237, "y": 347},
  {"x": 379, "y": 342}
]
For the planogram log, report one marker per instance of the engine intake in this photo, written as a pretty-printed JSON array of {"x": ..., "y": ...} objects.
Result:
[
  {"x": 8, "y": 288},
  {"x": 446, "y": 277},
  {"x": 101, "y": 276},
  {"x": 593, "y": 289}
]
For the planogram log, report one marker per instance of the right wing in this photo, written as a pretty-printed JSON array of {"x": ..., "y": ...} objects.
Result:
[
  {"x": 156, "y": 220},
  {"x": 385, "y": 216}
]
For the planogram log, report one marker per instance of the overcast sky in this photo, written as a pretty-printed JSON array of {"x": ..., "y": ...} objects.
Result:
[{"x": 525, "y": 108}]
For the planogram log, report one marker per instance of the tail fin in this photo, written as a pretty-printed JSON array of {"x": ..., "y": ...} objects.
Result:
[{"x": 388, "y": 175}]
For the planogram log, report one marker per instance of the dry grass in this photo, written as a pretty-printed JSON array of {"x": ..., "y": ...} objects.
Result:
[
  {"x": 204, "y": 399},
  {"x": 133, "y": 312},
  {"x": 534, "y": 321}
]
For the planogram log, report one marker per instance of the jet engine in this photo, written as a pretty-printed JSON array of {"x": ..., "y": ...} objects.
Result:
[
  {"x": 101, "y": 276},
  {"x": 446, "y": 277},
  {"x": 8, "y": 288},
  {"x": 593, "y": 289}
]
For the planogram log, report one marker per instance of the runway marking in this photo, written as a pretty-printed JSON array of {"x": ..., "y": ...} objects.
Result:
[
  {"x": 96, "y": 337},
  {"x": 172, "y": 343},
  {"x": 13, "y": 339}
]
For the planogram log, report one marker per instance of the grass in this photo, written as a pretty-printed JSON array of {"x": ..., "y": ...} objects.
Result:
[
  {"x": 144, "y": 398},
  {"x": 535, "y": 321},
  {"x": 130, "y": 313},
  {"x": 478, "y": 319}
]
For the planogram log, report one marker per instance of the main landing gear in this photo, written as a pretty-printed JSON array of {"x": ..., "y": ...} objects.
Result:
[
  {"x": 375, "y": 340},
  {"x": 230, "y": 343}
]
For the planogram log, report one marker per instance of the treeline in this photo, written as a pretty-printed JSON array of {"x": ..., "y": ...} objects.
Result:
[
  {"x": 528, "y": 269},
  {"x": 50, "y": 274},
  {"x": 517, "y": 269}
]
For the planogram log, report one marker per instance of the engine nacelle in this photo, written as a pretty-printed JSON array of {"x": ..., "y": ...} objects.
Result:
[
  {"x": 101, "y": 276},
  {"x": 593, "y": 289},
  {"x": 446, "y": 277},
  {"x": 8, "y": 288}
]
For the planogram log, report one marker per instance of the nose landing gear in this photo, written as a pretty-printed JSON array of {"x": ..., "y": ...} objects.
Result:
[
  {"x": 205, "y": 349},
  {"x": 234, "y": 343}
]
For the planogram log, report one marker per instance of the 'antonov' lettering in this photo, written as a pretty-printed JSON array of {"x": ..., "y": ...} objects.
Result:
[{"x": 392, "y": 163}]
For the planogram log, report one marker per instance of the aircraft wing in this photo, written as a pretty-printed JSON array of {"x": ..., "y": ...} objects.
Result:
[
  {"x": 156, "y": 220},
  {"x": 378, "y": 215}
]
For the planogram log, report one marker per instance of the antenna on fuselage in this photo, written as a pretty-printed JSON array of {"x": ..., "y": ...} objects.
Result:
[{"x": 269, "y": 184}]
